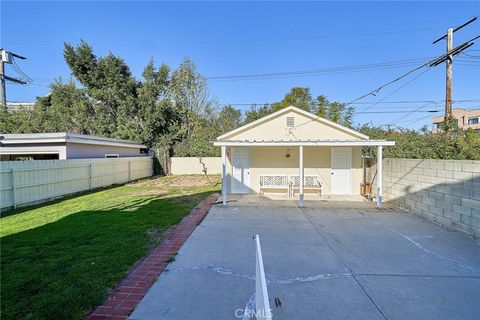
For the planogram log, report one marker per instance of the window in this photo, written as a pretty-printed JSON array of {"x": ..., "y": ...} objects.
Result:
[
  {"x": 290, "y": 122},
  {"x": 111, "y": 155},
  {"x": 473, "y": 121},
  {"x": 437, "y": 125}
]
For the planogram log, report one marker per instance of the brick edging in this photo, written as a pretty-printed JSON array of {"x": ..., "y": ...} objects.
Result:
[{"x": 129, "y": 291}]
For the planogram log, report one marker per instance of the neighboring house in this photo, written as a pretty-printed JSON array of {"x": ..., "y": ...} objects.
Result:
[
  {"x": 46, "y": 146},
  {"x": 464, "y": 119},
  {"x": 272, "y": 153},
  {"x": 16, "y": 106}
]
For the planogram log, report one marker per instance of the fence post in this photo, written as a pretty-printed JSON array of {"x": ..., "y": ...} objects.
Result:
[
  {"x": 129, "y": 171},
  {"x": 91, "y": 175},
  {"x": 14, "y": 190}
]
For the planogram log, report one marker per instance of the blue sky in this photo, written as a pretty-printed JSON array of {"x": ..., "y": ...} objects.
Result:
[{"x": 232, "y": 38}]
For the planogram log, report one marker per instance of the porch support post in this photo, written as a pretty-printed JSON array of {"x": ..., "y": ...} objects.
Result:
[
  {"x": 224, "y": 175},
  {"x": 379, "y": 176},
  {"x": 300, "y": 199}
]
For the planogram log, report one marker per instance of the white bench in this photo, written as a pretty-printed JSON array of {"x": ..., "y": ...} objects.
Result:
[
  {"x": 274, "y": 182},
  {"x": 310, "y": 182}
]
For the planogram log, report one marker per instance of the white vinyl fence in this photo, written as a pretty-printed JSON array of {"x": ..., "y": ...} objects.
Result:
[{"x": 29, "y": 182}]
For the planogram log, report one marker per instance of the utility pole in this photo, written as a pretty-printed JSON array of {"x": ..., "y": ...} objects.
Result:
[
  {"x": 3, "y": 96},
  {"x": 448, "y": 85},
  {"x": 7, "y": 57},
  {"x": 448, "y": 58}
]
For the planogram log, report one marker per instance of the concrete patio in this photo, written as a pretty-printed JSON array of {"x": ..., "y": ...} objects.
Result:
[{"x": 329, "y": 260}]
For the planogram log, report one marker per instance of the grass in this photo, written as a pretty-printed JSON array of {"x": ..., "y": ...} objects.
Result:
[{"x": 59, "y": 260}]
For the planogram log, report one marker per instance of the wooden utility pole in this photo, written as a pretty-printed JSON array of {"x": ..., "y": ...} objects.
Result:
[
  {"x": 448, "y": 58},
  {"x": 448, "y": 85},
  {"x": 3, "y": 96},
  {"x": 7, "y": 57}
]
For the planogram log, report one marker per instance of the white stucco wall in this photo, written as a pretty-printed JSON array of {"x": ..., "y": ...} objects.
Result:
[
  {"x": 79, "y": 151},
  {"x": 195, "y": 165},
  {"x": 61, "y": 150},
  {"x": 317, "y": 161}
]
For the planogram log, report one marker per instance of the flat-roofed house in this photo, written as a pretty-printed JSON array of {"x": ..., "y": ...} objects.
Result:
[{"x": 47, "y": 146}]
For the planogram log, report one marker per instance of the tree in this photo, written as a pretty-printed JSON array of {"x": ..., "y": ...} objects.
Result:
[
  {"x": 229, "y": 118},
  {"x": 155, "y": 116},
  {"x": 468, "y": 145},
  {"x": 301, "y": 98},
  {"x": 65, "y": 109},
  {"x": 20, "y": 121},
  {"x": 189, "y": 93},
  {"x": 334, "y": 111},
  {"x": 298, "y": 97},
  {"x": 205, "y": 129},
  {"x": 425, "y": 145},
  {"x": 111, "y": 88},
  {"x": 256, "y": 113}
]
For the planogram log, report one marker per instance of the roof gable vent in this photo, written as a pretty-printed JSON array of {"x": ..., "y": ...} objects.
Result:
[{"x": 290, "y": 122}]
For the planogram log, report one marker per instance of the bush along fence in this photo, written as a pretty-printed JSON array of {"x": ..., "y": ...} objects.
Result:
[
  {"x": 444, "y": 191},
  {"x": 30, "y": 182}
]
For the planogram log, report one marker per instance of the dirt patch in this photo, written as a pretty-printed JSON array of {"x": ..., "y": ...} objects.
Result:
[
  {"x": 180, "y": 181},
  {"x": 192, "y": 181}
]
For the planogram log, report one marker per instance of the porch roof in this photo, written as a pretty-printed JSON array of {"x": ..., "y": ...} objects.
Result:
[{"x": 306, "y": 143}]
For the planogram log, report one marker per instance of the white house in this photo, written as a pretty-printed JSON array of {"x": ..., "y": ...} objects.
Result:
[{"x": 274, "y": 153}]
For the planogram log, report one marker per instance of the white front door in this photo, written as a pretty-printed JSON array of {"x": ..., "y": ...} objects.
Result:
[
  {"x": 341, "y": 171},
  {"x": 241, "y": 170}
]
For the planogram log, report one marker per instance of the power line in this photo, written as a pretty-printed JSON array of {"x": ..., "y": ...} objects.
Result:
[
  {"x": 469, "y": 55},
  {"x": 403, "y": 102},
  {"x": 376, "y": 90},
  {"x": 395, "y": 91},
  {"x": 417, "y": 101},
  {"x": 431, "y": 63},
  {"x": 407, "y": 112},
  {"x": 415, "y": 121},
  {"x": 448, "y": 59},
  {"x": 342, "y": 69},
  {"x": 238, "y": 41},
  {"x": 7, "y": 57},
  {"x": 396, "y": 120}
]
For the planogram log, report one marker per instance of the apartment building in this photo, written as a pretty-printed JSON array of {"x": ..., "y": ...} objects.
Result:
[{"x": 464, "y": 119}]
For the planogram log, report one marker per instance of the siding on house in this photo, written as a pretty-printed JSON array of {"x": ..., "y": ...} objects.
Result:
[
  {"x": 79, "y": 151},
  {"x": 305, "y": 128},
  {"x": 317, "y": 161}
]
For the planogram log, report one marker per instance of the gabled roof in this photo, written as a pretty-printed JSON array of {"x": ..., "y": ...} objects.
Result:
[{"x": 286, "y": 110}]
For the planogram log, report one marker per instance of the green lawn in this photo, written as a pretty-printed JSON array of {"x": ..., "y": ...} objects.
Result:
[{"x": 59, "y": 260}]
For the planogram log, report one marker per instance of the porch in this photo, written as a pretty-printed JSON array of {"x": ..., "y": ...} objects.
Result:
[
  {"x": 330, "y": 170},
  {"x": 310, "y": 200}
]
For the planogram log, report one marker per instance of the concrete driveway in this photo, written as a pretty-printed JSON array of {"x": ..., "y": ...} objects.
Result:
[{"x": 335, "y": 260}]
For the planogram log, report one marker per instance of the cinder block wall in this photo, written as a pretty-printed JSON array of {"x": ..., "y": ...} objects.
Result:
[{"x": 444, "y": 191}]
